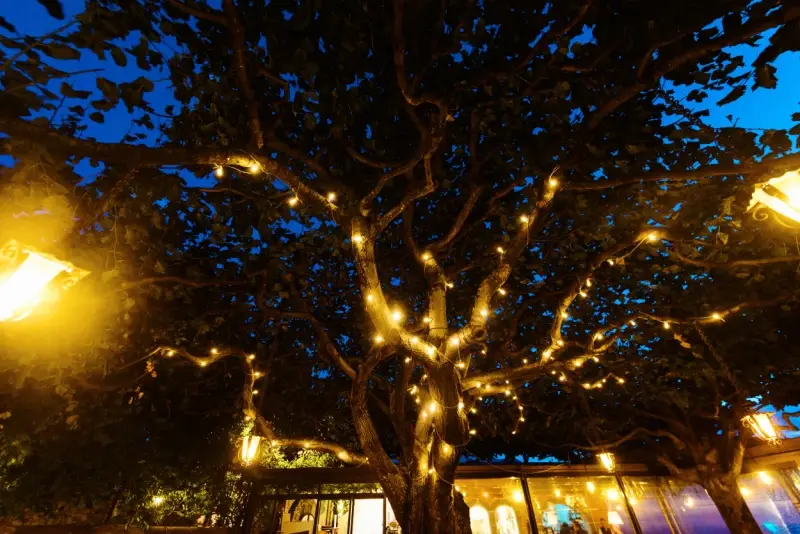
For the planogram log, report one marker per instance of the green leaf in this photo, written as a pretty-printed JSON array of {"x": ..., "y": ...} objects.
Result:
[
  {"x": 735, "y": 94},
  {"x": 97, "y": 117},
  {"x": 69, "y": 92},
  {"x": 108, "y": 88},
  {"x": 61, "y": 51},
  {"x": 765, "y": 76},
  {"x": 119, "y": 56}
]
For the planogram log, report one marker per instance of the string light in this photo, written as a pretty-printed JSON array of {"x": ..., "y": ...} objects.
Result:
[
  {"x": 472, "y": 432},
  {"x": 430, "y": 471},
  {"x": 426, "y": 320},
  {"x": 666, "y": 325},
  {"x": 473, "y": 410},
  {"x": 293, "y": 201},
  {"x": 358, "y": 238},
  {"x": 414, "y": 340},
  {"x": 255, "y": 392},
  {"x": 370, "y": 297},
  {"x": 257, "y": 374},
  {"x": 583, "y": 294},
  {"x": 203, "y": 363},
  {"x": 560, "y": 342},
  {"x": 632, "y": 322},
  {"x": 521, "y": 419},
  {"x": 461, "y": 405},
  {"x": 378, "y": 339},
  {"x": 454, "y": 341},
  {"x": 525, "y": 361},
  {"x": 408, "y": 359},
  {"x": 397, "y": 316},
  {"x": 620, "y": 380},
  {"x": 611, "y": 261},
  {"x": 564, "y": 315},
  {"x": 598, "y": 336},
  {"x": 652, "y": 237},
  {"x": 546, "y": 354},
  {"x": 255, "y": 168},
  {"x": 552, "y": 182},
  {"x": 331, "y": 197},
  {"x": 219, "y": 172},
  {"x": 588, "y": 282},
  {"x": 170, "y": 353},
  {"x": 449, "y": 285},
  {"x": 524, "y": 219},
  {"x": 426, "y": 256},
  {"x": 214, "y": 351},
  {"x": 430, "y": 350},
  {"x": 251, "y": 357},
  {"x": 716, "y": 316},
  {"x": 461, "y": 365},
  {"x": 484, "y": 312},
  {"x": 446, "y": 448},
  {"x": 502, "y": 291},
  {"x": 306, "y": 445},
  {"x": 501, "y": 250}
]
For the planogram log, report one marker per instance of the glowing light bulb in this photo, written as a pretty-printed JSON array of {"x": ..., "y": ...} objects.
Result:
[
  {"x": 632, "y": 322},
  {"x": 501, "y": 250},
  {"x": 588, "y": 282},
  {"x": 521, "y": 419},
  {"x": 397, "y": 316},
  {"x": 620, "y": 380},
  {"x": 472, "y": 432},
  {"x": 426, "y": 256},
  {"x": 652, "y": 237},
  {"x": 558, "y": 493},
  {"x": 378, "y": 338},
  {"x": 584, "y": 294},
  {"x": 306, "y": 445},
  {"x": 461, "y": 405},
  {"x": 502, "y": 291},
  {"x": 370, "y": 297},
  {"x": 430, "y": 350},
  {"x": 765, "y": 478},
  {"x": 426, "y": 320},
  {"x": 564, "y": 315},
  {"x": 251, "y": 357},
  {"x": 484, "y": 312},
  {"x": 689, "y": 502},
  {"x": 342, "y": 455},
  {"x": 611, "y": 261},
  {"x": 219, "y": 172},
  {"x": 716, "y": 316},
  {"x": 331, "y": 197},
  {"x": 562, "y": 378},
  {"x": 524, "y": 219},
  {"x": 203, "y": 363},
  {"x": 170, "y": 353},
  {"x": 408, "y": 359},
  {"x": 552, "y": 182},
  {"x": 454, "y": 341},
  {"x": 255, "y": 168},
  {"x": 520, "y": 408},
  {"x": 158, "y": 500},
  {"x": 560, "y": 342},
  {"x": 525, "y": 361},
  {"x": 255, "y": 392},
  {"x": 414, "y": 340},
  {"x": 358, "y": 238},
  {"x": 461, "y": 365},
  {"x": 247, "y": 418},
  {"x": 293, "y": 201},
  {"x": 257, "y": 374},
  {"x": 590, "y": 486},
  {"x": 449, "y": 285},
  {"x": 473, "y": 410},
  {"x": 666, "y": 325},
  {"x": 546, "y": 354},
  {"x": 586, "y": 385},
  {"x": 598, "y": 336},
  {"x": 430, "y": 471},
  {"x": 214, "y": 351}
]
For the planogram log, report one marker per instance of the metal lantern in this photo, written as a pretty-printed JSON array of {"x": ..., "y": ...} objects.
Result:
[
  {"x": 249, "y": 450},
  {"x": 28, "y": 276},
  {"x": 608, "y": 461},
  {"x": 781, "y": 194},
  {"x": 762, "y": 426}
]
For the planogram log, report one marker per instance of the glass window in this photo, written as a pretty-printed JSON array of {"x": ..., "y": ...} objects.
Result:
[
  {"x": 580, "y": 505},
  {"x": 692, "y": 509},
  {"x": 769, "y": 502},
  {"x": 334, "y": 516},
  {"x": 298, "y": 516},
  {"x": 496, "y": 505},
  {"x": 649, "y": 505},
  {"x": 368, "y": 516}
]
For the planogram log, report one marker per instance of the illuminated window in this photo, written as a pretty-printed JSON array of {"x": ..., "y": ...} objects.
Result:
[
  {"x": 479, "y": 520},
  {"x": 501, "y": 499},
  {"x": 765, "y": 493},
  {"x": 579, "y": 504},
  {"x": 298, "y": 515},
  {"x": 368, "y": 516}
]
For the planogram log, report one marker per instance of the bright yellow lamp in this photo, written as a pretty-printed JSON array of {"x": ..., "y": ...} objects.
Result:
[
  {"x": 762, "y": 426},
  {"x": 27, "y": 276},
  {"x": 607, "y": 460},
  {"x": 781, "y": 194},
  {"x": 249, "y": 450}
]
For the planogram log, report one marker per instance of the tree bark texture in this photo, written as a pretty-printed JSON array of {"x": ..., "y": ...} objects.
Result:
[{"x": 732, "y": 507}]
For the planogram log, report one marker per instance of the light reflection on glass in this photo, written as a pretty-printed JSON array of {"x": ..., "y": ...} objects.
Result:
[
  {"x": 579, "y": 504},
  {"x": 769, "y": 502}
]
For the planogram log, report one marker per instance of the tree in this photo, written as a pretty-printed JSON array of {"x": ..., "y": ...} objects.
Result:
[
  {"x": 411, "y": 202},
  {"x": 685, "y": 402}
]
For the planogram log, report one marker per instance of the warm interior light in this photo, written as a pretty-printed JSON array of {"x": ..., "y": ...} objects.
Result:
[
  {"x": 518, "y": 496},
  {"x": 614, "y": 518},
  {"x": 765, "y": 478}
]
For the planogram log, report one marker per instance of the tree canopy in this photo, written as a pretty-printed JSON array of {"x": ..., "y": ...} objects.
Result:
[{"x": 387, "y": 231}]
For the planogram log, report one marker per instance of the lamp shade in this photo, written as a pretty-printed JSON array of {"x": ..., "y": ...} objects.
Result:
[
  {"x": 28, "y": 276},
  {"x": 248, "y": 453},
  {"x": 781, "y": 194},
  {"x": 762, "y": 426}
]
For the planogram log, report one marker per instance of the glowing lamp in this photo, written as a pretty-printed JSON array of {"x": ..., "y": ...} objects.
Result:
[
  {"x": 249, "y": 449},
  {"x": 607, "y": 460},
  {"x": 781, "y": 194},
  {"x": 27, "y": 277},
  {"x": 761, "y": 425},
  {"x": 614, "y": 518}
]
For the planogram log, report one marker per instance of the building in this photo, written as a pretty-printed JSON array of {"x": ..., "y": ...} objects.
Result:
[{"x": 542, "y": 499}]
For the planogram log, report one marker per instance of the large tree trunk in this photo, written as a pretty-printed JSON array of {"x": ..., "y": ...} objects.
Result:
[
  {"x": 435, "y": 508},
  {"x": 731, "y": 506}
]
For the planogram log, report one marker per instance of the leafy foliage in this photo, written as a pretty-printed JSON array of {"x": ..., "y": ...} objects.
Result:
[{"x": 436, "y": 127}]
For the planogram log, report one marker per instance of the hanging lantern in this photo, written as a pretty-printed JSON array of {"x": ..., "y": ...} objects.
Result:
[
  {"x": 607, "y": 460},
  {"x": 762, "y": 426},
  {"x": 249, "y": 450},
  {"x": 27, "y": 277},
  {"x": 781, "y": 194}
]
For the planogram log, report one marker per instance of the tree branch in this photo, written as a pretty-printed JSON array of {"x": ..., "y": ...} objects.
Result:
[
  {"x": 414, "y": 194},
  {"x": 768, "y": 165},
  {"x": 736, "y": 263},
  {"x": 210, "y": 15}
]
